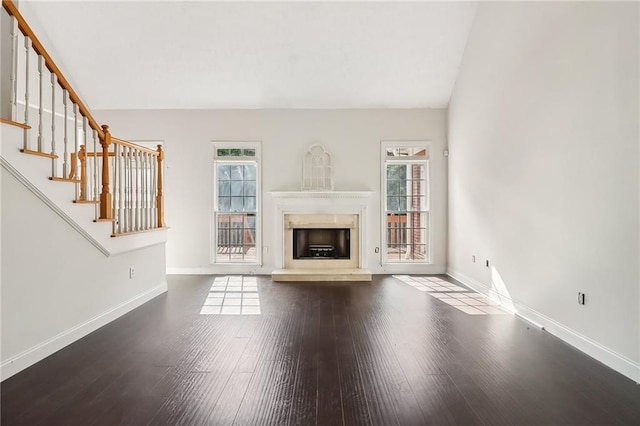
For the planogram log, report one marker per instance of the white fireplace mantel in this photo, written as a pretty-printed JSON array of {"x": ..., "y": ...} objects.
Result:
[
  {"x": 320, "y": 202},
  {"x": 320, "y": 194}
]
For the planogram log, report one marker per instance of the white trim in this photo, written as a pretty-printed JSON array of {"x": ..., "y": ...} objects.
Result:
[
  {"x": 384, "y": 160},
  {"x": 321, "y": 194},
  {"x": 226, "y": 269},
  {"x": 42, "y": 350},
  {"x": 608, "y": 357},
  {"x": 257, "y": 160}
]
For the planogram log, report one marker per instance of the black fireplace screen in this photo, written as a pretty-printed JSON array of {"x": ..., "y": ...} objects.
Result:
[{"x": 323, "y": 243}]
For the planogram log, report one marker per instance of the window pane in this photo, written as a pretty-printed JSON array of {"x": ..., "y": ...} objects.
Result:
[
  {"x": 236, "y": 172},
  {"x": 396, "y": 172},
  {"x": 224, "y": 172},
  {"x": 250, "y": 172},
  {"x": 392, "y": 204},
  {"x": 393, "y": 187},
  {"x": 224, "y": 188},
  {"x": 236, "y": 204},
  {"x": 236, "y": 187},
  {"x": 250, "y": 203},
  {"x": 407, "y": 151},
  {"x": 235, "y": 152},
  {"x": 235, "y": 238},
  {"x": 224, "y": 204},
  {"x": 250, "y": 188},
  {"x": 223, "y": 152},
  {"x": 249, "y": 152}
]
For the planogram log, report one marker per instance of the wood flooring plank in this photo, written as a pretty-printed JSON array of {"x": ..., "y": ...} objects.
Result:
[
  {"x": 268, "y": 395},
  {"x": 329, "y": 381},
  {"x": 304, "y": 401},
  {"x": 225, "y": 409},
  {"x": 353, "y": 391}
]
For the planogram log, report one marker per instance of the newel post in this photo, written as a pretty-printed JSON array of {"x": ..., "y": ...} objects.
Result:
[
  {"x": 106, "y": 208},
  {"x": 159, "y": 196}
]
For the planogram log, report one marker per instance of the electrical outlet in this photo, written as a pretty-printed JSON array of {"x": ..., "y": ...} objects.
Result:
[
  {"x": 132, "y": 272},
  {"x": 486, "y": 263},
  {"x": 473, "y": 259},
  {"x": 377, "y": 250},
  {"x": 580, "y": 298},
  {"x": 265, "y": 249}
]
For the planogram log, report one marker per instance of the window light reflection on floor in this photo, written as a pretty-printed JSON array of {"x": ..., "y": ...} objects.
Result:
[
  {"x": 467, "y": 301},
  {"x": 232, "y": 295}
]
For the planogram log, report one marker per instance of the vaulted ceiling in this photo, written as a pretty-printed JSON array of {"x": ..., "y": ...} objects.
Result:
[{"x": 170, "y": 54}]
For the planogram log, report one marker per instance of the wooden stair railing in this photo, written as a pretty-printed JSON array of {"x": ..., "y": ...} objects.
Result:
[{"x": 123, "y": 179}]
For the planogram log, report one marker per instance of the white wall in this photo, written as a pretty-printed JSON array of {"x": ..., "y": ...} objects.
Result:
[
  {"x": 543, "y": 134},
  {"x": 56, "y": 286},
  {"x": 352, "y": 137}
]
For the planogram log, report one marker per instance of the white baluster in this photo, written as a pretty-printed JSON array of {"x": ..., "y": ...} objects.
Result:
[
  {"x": 147, "y": 160},
  {"x": 154, "y": 182},
  {"x": 114, "y": 189},
  {"x": 136, "y": 205},
  {"x": 142, "y": 189},
  {"x": 129, "y": 193},
  {"x": 27, "y": 48},
  {"x": 96, "y": 167},
  {"x": 76, "y": 147},
  {"x": 87, "y": 162},
  {"x": 13, "y": 99},
  {"x": 41, "y": 103},
  {"x": 120, "y": 192},
  {"x": 123, "y": 191},
  {"x": 54, "y": 161},
  {"x": 145, "y": 190},
  {"x": 131, "y": 189},
  {"x": 65, "y": 162}
]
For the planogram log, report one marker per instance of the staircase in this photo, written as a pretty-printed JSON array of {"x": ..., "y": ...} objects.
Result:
[{"x": 106, "y": 188}]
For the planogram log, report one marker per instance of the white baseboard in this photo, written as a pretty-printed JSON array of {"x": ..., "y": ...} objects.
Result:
[
  {"x": 42, "y": 350},
  {"x": 221, "y": 270},
  {"x": 608, "y": 357}
]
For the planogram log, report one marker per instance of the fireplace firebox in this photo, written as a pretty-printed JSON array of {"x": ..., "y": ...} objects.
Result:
[{"x": 321, "y": 243}]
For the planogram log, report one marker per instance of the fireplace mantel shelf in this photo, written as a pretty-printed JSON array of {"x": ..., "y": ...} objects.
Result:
[{"x": 321, "y": 194}]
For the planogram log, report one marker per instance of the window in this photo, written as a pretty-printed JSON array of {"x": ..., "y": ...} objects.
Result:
[
  {"x": 406, "y": 202},
  {"x": 236, "y": 203}
]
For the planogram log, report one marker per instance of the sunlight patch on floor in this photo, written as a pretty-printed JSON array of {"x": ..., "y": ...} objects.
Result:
[
  {"x": 467, "y": 301},
  {"x": 232, "y": 295}
]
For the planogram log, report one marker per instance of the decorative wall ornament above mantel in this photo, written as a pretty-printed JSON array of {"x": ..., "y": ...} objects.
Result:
[{"x": 317, "y": 173}]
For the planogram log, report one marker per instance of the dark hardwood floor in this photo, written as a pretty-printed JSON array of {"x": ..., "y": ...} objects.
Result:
[{"x": 380, "y": 353}]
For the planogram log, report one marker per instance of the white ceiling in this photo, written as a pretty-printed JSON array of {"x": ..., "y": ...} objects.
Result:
[{"x": 170, "y": 54}]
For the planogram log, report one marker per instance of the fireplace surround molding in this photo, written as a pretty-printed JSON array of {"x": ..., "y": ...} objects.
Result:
[{"x": 320, "y": 209}]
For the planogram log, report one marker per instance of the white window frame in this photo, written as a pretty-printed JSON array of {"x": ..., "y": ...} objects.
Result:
[
  {"x": 214, "y": 192},
  {"x": 384, "y": 161}
]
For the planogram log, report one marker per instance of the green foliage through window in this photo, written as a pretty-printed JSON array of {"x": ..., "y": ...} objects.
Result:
[{"x": 236, "y": 152}]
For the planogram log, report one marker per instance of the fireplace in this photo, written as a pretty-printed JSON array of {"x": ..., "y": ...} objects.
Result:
[
  {"x": 321, "y": 243},
  {"x": 322, "y": 236}
]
